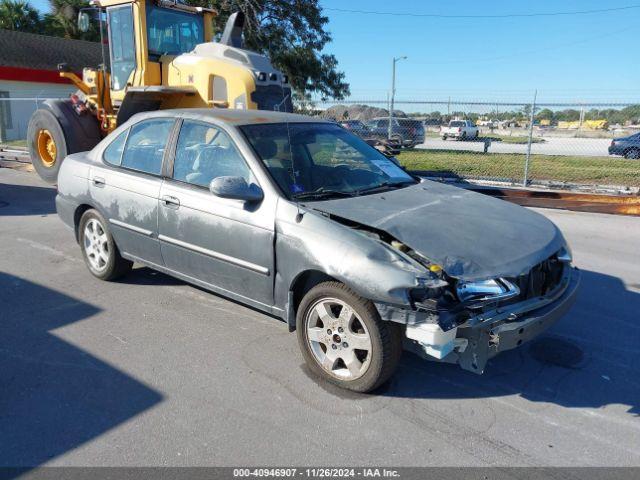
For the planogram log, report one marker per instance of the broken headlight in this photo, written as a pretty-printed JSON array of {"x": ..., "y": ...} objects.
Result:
[{"x": 475, "y": 294}]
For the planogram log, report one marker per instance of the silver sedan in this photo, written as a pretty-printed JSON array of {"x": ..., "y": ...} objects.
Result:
[{"x": 303, "y": 220}]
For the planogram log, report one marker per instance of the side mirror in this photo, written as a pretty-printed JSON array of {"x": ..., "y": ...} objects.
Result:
[
  {"x": 83, "y": 22},
  {"x": 235, "y": 188}
]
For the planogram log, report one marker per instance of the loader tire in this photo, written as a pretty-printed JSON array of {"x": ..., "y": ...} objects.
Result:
[{"x": 47, "y": 144}]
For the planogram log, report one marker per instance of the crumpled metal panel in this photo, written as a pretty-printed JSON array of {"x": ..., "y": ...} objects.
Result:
[{"x": 472, "y": 236}]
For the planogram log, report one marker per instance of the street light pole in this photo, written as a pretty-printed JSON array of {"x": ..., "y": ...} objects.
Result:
[{"x": 393, "y": 94}]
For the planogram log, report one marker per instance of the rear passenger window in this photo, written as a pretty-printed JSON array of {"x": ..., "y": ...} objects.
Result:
[
  {"x": 113, "y": 153},
  {"x": 146, "y": 144},
  {"x": 205, "y": 152}
]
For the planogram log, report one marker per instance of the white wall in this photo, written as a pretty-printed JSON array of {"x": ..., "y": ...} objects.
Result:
[{"x": 24, "y": 98}]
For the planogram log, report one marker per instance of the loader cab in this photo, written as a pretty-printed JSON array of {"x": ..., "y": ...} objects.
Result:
[
  {"x": 162, "y": 55},
  {"x": 140, "y": 32}
]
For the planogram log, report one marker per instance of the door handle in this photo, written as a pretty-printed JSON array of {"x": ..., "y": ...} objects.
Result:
[
  {"x": 171, "y": 202},
  {"x": 98, "y": 181}
]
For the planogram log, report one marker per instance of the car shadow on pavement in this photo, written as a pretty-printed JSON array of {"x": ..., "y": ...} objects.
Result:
[
  {"x": 54, "y": 396},
  {"x": 147, "y": 276},
  {"x": 589, "y": 359},
  {"x": 26, "y": 200}
]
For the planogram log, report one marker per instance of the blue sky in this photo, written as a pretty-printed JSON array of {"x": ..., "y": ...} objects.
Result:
[
  {"x": 577, "y": 57},
  {"x": 40, "y": 4},
  {"x": 591, "y": 57}
]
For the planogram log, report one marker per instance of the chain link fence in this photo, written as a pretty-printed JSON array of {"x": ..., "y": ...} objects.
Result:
[
  {"x": 555, "y": 144},
  {"x": 17, "y": 106}
]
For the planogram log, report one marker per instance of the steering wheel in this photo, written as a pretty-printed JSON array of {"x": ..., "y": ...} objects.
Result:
[{"x": 338, "y": 176}]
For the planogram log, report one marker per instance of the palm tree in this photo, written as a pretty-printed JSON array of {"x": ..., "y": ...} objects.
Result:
[
  {"x": 19, "y": 15},
  {"x": 62, "y": 21}
]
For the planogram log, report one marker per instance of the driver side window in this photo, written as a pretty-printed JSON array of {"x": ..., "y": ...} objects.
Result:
[{"x": 205, "y": 152}]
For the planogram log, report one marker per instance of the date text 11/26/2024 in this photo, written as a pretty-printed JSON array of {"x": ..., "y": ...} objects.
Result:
[{"x": 316, "y": 472}]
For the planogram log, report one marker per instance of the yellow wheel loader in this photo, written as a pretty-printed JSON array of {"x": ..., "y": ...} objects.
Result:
[{"x": 160, "y": 55}]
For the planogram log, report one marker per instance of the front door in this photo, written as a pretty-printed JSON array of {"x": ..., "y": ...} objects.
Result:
[
  {"x": 122, "y": 46},
  {"x": 225, "y": 244},
  {"x": 128, "y": 186}
]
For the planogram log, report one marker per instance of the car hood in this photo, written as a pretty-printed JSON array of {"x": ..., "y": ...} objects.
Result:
[{"x": 472, "y": 236}]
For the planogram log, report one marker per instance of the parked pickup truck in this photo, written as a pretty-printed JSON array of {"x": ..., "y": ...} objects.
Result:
[{"x": 460, "y": 129}]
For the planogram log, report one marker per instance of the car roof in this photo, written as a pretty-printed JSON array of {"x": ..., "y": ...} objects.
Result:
[{"x": 233, "y": 117}]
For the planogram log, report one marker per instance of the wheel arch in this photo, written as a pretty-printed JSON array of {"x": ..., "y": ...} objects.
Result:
[
  {"x": 300, "y": 285},
  {"x": 77, "y": 215},
  {"x": 628, "y": 150}
]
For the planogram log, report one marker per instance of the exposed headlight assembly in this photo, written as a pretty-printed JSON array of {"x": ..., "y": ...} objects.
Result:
[{"x": 475, "y": 294}]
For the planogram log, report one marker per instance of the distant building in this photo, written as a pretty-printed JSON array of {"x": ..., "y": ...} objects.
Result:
[{"x": 28, "y": 74}]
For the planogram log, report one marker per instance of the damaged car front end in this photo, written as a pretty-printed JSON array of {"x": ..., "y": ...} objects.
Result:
[
  {"x": 468, "y": 323},
  {"x": 471, "y": 299}
]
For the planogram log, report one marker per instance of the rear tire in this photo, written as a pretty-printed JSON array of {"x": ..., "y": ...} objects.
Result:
[
  {"x": 344, "y": 341},
  {"x": 632, "y": 154},
  {"x": 47, "y": 144},
  {"x": 99, "y": 250}
]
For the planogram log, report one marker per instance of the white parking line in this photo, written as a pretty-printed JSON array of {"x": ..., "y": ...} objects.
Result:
[{"x": 48, "y": 249}]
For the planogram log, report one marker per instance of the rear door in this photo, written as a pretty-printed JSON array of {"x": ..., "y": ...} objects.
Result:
[
  {"x": 225, "y": 244},
  {"x": 127, "y": 187}
]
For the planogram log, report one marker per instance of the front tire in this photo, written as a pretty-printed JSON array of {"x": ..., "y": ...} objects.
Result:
[
  {"x": 344, "y": 341},
  {"x": 99, "y": 250},
  {"x": 47, "y": 144}
]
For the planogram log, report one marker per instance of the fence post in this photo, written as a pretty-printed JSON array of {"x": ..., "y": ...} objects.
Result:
[{"x": 525, "y": 180}]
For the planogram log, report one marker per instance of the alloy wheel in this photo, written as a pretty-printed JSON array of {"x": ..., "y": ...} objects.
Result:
[
  {"x": 96, "y": 244},
  {"x": 338, "y": 339}
]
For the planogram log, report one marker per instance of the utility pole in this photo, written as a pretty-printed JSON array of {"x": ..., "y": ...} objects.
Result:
[
  {"x": 525, "y": 181},
  {"x": 393, "y": 94}
]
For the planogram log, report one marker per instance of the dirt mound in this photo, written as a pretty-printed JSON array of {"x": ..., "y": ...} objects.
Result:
[{"x": 357, "y": 112}]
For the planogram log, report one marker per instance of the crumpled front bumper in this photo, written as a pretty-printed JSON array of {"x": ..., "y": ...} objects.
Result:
[
  {"x": 508, "y": 327},
  {"x": 488, "y": 339}
]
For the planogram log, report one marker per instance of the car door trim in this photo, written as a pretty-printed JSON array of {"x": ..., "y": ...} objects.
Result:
[
  {"x": 218, "y": 256},
  {"x": 133, "y": 228}
]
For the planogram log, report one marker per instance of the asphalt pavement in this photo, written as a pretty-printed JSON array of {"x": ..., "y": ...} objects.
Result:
[
  {"x": 586, "y": 147},
  {"x": 150, "y": 371}
]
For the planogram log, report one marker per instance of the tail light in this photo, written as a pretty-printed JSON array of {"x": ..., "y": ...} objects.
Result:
[
  {"x": 613, "y": 142},
  {"x": 459, "y": 129}
]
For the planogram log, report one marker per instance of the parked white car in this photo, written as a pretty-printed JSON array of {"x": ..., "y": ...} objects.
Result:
[{"x": 460, "y": 129}]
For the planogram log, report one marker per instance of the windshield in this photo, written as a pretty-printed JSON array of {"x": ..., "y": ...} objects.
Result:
[
  {"x": 322, "y": 160},
  {"x": 456, "y": 123},
  {"x": 172, "y": 32}
]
